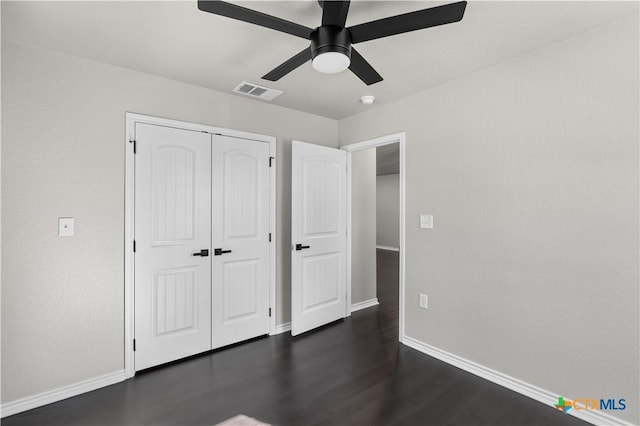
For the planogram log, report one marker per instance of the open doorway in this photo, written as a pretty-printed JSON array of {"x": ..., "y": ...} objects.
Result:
[
  {"x": 387, "y": 182},
  {"x": 376, "y": 239}
]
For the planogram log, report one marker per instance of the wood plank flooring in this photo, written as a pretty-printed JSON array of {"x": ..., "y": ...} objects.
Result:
[{"x": 352, "y": 372}]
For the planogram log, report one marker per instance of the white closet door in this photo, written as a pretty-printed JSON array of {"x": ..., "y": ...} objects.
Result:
[
  {"x": 172, "y": 223},
  {"x": 240, "y": 194},
  {"x": 318, "y": 236}
]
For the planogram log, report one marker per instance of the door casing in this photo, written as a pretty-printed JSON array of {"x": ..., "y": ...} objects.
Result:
[
  {"x": 398, "y": 138},
  {"x": 133, "y": 118}
]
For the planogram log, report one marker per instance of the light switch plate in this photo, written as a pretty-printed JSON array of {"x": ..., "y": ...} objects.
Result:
[
  {"x": 426, "y": 221},
  {"x": 66, "y": 226},
  {"x": 424, "y": 301}
]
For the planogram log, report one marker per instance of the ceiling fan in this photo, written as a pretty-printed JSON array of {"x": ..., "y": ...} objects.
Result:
[{"x": 331, "y": 48}]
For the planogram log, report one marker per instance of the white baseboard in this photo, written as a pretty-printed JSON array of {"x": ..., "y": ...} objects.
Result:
[
  {"x": 55, "y": 395},
  {"x": 363, "y": 305},
  {"x": 388, "y": 248},
  {"x": 282, "y": 328},
  {"x": 541, "y": 395}
]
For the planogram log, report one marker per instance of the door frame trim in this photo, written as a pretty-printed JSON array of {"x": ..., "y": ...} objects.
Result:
[
  {"x": 400, "y": 139},
  {"x": 129, "y": 215}
]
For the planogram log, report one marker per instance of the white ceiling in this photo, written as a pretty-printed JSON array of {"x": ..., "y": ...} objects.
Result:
[{"x": 176, "y": 40}]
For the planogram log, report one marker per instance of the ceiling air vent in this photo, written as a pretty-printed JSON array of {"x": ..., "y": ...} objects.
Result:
[{"x": 256, "y": 91}]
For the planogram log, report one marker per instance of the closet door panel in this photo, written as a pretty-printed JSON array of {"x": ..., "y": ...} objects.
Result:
[
  {"x": 240, "y": 235},
  {"x": 172, "y": 223}
]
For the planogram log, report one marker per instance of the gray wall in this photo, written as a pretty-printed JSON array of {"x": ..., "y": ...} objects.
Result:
[
  {"x": 63, "y": 131},
  {"x": 530, "y": 169},
  {"x": 363, "y": 225},
  {"x": 388, "y": 210}
]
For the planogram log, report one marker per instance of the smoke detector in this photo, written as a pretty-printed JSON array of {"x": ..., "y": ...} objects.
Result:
[
  {"x": 257, "y": 91},
  {"x": 368, "y": 100}
]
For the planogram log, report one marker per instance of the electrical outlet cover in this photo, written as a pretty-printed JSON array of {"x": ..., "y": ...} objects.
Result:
[{"x": 66, "y": 226}]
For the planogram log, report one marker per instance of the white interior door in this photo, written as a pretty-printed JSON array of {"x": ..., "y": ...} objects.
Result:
[
  {"x": 240, "y": 188},
  {"x": 172, "y": 223},
  {"x": 318, "y": 236}
]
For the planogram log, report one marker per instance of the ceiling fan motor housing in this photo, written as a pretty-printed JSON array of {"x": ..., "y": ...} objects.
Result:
[{"x": 330, "y": 38}]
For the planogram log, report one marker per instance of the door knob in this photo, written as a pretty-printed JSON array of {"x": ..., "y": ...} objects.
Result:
[
  {"x": 203, "y": 253},
  {"x": 219, "y": 251},
  {"x": 301, "y": 247}
]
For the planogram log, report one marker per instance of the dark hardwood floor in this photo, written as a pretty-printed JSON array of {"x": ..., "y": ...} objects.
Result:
[{"x": 352, "y": 372}]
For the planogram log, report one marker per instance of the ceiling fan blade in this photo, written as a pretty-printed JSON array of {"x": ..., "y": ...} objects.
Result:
[
  {"x": 335, "y": 13},
  {"x": 253, "y": 17},
  {"x": 289, "y": 65},
  {"x": 361, "y": 68},
  {"x": 426, "y": 18}
]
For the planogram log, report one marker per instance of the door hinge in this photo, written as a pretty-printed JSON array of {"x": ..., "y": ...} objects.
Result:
[
  {"x": 270, "y": 160},
  {"x": 135, "y": 145},
  {"x": 269, "y": 312},
  {"x": 134, "y": 246},
  {"x": 269, "y": 236},
  {"x": 134, "y": 345}
]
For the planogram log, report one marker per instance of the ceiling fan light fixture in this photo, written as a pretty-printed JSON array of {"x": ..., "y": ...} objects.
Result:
[
  {"x": 331, "y": 62},
  {"x": 330, "y": 44}
]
